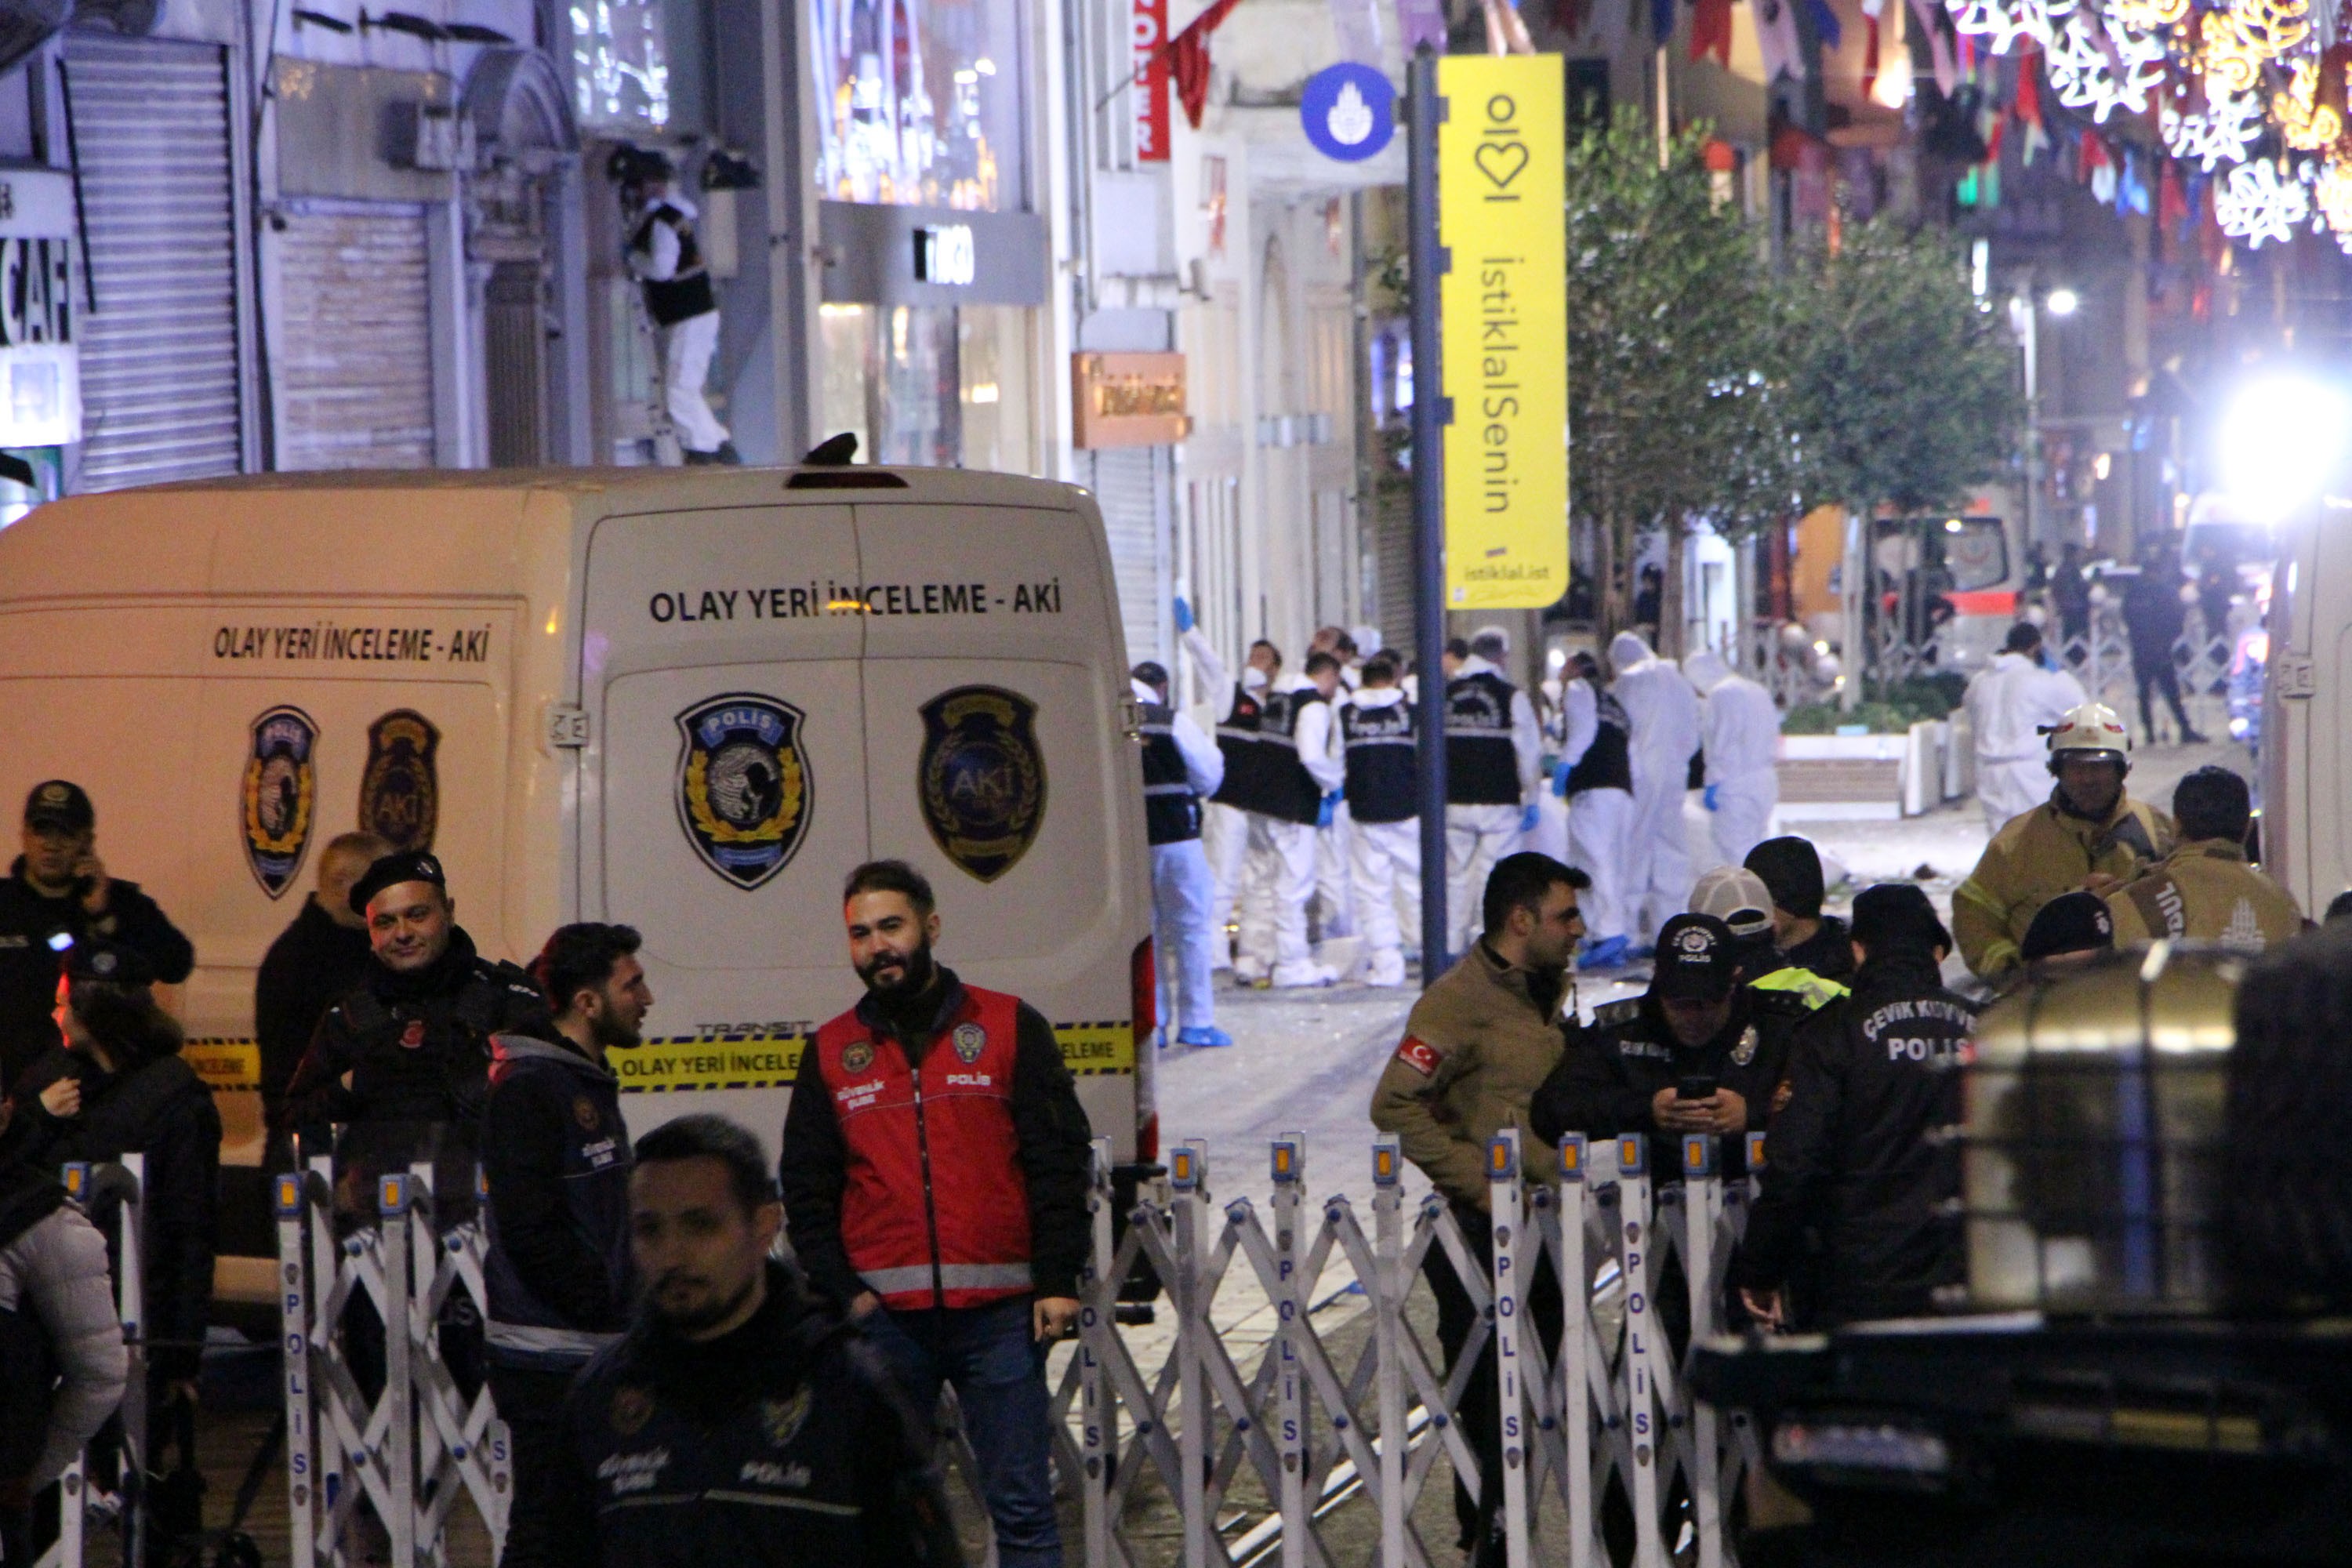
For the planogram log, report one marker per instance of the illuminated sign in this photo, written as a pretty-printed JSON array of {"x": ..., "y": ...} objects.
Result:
[
  {"x": 41, "y": 366},
  {"x": 1126, "y": 400},
  {"x": 944, "y": 253},
  {"x": 1500, "y": 196}
]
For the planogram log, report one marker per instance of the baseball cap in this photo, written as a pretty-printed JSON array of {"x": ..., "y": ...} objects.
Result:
[
  {"x": 59, "y": 806},
  {"x": 95, "y": 959},
  {"x": 1737, "y": 897},
  {"x": 2070, "y": 922},
  {"x": 1696, "y": 960},
  {"x": 1896, "y": 915},
  {"x": 390, "y": 870},
  {"x": 1791, "y": 867}
]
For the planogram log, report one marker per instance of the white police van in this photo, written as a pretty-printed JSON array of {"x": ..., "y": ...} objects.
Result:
[
  {"x": 2307, "y": 735},
  {"x": 687, "y": 699}
]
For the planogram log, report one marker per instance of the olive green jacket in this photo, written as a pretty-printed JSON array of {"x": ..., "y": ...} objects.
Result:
[
  {"x": 2036, "y": 857},
  {"x": 2205, "y": 891}
]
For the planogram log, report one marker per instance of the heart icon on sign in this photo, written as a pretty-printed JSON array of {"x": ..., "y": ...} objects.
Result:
[{"x": 1500, "y": 161}]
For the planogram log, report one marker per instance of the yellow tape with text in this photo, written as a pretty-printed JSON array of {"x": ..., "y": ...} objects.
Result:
[
  {"x": 670, "y": 1067},
  {"x": 1500, "y": 199}
]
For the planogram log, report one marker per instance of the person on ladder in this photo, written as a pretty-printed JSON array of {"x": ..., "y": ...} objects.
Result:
[{"x": 666, "y": 257}]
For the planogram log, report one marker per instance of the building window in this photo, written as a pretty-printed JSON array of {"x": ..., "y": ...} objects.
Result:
[
  {"x": 919, "y": 104},
  {"x": 620, "y": 64}
]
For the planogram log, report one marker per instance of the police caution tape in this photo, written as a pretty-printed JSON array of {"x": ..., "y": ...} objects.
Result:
[
  {"x": 224, "y": 1064},
  {"x": 773, "y": 1061}
]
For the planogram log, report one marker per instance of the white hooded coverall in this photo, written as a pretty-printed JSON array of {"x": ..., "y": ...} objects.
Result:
[
  {"x": 1664, "y": 712},
  {"x": 1224, "y": 829},
  {"x": 1184, "y": 895},
  {"x": 1279, "y": 876},
  {"x": 1598, "y": 820},
  {"x": 2008, "y": 705},
  {"x": 1478, "y": 836},
  {"x": 1739, "y": 729}
]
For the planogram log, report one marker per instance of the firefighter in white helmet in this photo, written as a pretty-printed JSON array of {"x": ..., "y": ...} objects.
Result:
[{"x": 2088, "y": 835}]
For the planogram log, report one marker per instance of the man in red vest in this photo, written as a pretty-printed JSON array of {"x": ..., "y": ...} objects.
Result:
[{"x": 935, "y": 1180}]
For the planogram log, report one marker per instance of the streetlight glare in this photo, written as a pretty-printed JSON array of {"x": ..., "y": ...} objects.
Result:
[
  {"x": 2281, "y": 440},
  {"x": 2063, "y": 301}
]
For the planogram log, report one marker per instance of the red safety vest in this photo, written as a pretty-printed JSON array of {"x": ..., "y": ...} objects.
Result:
[{"x": 935, "y": 1211}]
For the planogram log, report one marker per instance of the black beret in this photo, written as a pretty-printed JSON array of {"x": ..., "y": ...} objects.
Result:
[{"x": 400, "y": 866}]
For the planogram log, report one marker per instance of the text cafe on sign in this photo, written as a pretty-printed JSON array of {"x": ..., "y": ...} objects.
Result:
[{"x": 1503, "y": 314}]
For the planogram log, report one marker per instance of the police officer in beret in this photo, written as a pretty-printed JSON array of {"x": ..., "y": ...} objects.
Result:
[
  {"x": 59, "y": 894},
  {"x": 1700, "y": 1053},
  {"x": 402, "y": 1062}
]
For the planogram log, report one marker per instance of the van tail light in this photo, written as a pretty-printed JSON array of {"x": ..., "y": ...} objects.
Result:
[{"x": 1143, "y": 999}]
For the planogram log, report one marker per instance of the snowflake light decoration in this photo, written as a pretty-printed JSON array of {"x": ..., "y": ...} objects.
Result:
[
  {"x": 2332, "y": 194},
  {"x": 2223, "y": 131},
  {"x": 2308, "y": 124},
  {"x": 2006, "y": 24},
  {"x": 2104, "y": 67},
  {"x": 2255, "y": 205}
]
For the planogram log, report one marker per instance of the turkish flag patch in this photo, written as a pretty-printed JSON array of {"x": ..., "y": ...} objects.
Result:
[
  {"x": 1419, "y": 1055},
  {"x": 414, "y": 1036}
]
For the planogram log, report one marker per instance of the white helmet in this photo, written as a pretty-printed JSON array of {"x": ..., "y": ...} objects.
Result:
[{"x": 2093, "y": 729}]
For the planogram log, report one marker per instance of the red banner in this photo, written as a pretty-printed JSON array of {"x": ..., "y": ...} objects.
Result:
[{"x": 1150, "y": 95}]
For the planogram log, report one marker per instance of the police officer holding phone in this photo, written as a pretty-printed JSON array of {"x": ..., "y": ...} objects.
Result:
[{"x": 59, "y": 894}]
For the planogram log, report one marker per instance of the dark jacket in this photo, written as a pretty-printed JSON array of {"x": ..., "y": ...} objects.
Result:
[
  {"x": 162, "y": 1109},
  {"x": 556, "y": 1155},
  {"x": 1611, "y": 1071},
  {"x": 782, "y": 1445},
  {"x": 1051, "y": 1128},
  {"x": 417, "y": 1046},
  {"x": 30, "y": 922},
  {"x": 1828, "y": 952},
  {"x": 1862, "y": 1154},
  {"x": 312, "y": 964},
  {"x": 2153, "y": 617}
]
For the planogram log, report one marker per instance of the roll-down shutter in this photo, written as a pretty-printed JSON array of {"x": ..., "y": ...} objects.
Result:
[
  {"x": 159, "y": 371},
  {"x": 354, "y": 357},
  {"x": 1130, "y": 486}
]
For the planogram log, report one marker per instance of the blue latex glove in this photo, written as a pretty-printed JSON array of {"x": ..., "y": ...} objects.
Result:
[
  {"x": 1713, "y": 797},
  {"x": 1528, "y": 817},
  {"x": 1559, "y": 779},
  {"x": 1183, "y": 615},
  {"x": 1329, "y": 809}
]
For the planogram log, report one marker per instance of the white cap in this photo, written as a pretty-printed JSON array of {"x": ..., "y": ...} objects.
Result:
[{"x": 1737, "y": 897}]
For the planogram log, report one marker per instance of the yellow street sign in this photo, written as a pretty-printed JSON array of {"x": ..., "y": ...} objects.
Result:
[{"x": 1500, "y": 154}]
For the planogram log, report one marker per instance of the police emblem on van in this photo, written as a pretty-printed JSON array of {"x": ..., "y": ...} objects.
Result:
[
  {"x": 982, "y": 777},
  {"x": 280, "y": 795},
  {"x": 399, "y": 789},
  {"x": 743, "y": 785}
]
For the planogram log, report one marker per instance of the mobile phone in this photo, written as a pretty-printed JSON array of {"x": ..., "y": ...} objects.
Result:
[{"x": 1694, "y": 1089}]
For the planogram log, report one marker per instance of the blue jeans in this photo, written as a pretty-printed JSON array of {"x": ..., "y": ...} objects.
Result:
[{"x": 998, "y": 1369}]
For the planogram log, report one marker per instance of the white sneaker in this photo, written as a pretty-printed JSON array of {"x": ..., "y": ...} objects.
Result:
[
  {"x": 1387, "y": 969},
  {"x": 1249, "y": 971},
  {"x": 1303, "y": 972}
]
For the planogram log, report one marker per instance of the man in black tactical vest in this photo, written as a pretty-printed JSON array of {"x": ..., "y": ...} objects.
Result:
[
  {"x": 1297, "y": 766},
  {"x": 665, "y": 257},
  {"x": 1181, "y": 770},
  {"x": 402, "y": 1062},
  {"x": 1493, "y": 759},
  {"x": 1376, "y": 728},
  {"x": 1596, "y": 775}
]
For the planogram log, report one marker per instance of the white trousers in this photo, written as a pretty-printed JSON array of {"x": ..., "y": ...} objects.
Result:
[
  {"x": 2007, "y": 789},
  {"x": 1333, "y": 889},
  {"x": 1385, "y": 862},
  {"x": 1742, "y": 818},
  {"x": 1551, "y": 837},
  {"x": 1224, "y": 839},
  {"x": 1599, "y": 821},
  {"x": 1276, "y": 882},
  {"x": 1657, "y": 846},
  {"x": 1182, "y": 894},
  {"x": 1475, "y": 837},
  {"x": 687, "y": 348}
]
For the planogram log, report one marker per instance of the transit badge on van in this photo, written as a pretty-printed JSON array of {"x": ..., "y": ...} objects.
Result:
[
  {"x": 279, "y": 795},
  {"x": 982, "y": 777},
  {"x": 743, "y": 785}
]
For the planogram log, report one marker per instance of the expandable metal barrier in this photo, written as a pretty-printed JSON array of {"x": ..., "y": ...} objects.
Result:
[
  {"x": 82, "y": 1501},
  {"x": 1611, "y": 1407}
]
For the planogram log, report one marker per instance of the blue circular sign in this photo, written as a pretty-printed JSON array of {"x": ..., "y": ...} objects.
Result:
[{"x": 1349, "y": 110}]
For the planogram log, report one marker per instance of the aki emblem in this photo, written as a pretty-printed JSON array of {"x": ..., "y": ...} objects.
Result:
[
  {"x": 781, "y": 1419},
  {"x": 982, "y": 777},
  {"x": 858, "y": 1056},
  {"x": 280, "y": 795},
  {"x": 971, "y": 1039},
  {"x": 743, "y": 785},
  {"x": 399, "y": 789}
]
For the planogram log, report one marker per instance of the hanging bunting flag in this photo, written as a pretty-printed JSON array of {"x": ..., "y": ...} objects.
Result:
[
  {"x": 1928, "y": 14},
  {"x": 1775, "y": 40},
  {"x": 1869, "y": 52},
  {"x": 1711, "y": 31},
  {"x": 1827, "y": 28},
  {"x": 1507, "y": 31},
  {"x": 1661, "y": 22},
  {"x": 1421, "y": 22},
  {"x": 2171, "y": 205}
]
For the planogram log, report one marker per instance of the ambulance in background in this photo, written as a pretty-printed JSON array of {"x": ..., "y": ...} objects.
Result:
[
  {"x": 1952, "y": 582},
  {"x": 2306, "y": 718},
  {"x": 688, "y": 701}
]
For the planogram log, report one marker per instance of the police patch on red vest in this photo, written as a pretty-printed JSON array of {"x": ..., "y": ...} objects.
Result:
[{"x": 1419, "y": 1055}]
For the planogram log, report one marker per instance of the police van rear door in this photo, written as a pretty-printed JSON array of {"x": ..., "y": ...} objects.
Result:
[
  {"x": 997, "y": 764},
  {"x": 723, "y": 790}
]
